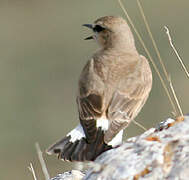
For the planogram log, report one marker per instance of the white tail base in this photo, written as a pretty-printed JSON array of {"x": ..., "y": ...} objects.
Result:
[
  {"x": 77, "y": 133},
  {"x": 103, "y": 123},
  {"x": 117, "y": 140}
]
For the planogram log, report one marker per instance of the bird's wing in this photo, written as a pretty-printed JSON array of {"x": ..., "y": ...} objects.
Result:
[
  {"x": 127, "y": 101},
  {"x": 90, "y": 98}
]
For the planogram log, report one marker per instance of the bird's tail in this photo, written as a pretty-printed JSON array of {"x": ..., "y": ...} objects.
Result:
[{"x": 74, "y": 147}]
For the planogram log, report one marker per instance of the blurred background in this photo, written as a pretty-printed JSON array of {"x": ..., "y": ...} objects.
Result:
[{"x": 42, "y": 53}]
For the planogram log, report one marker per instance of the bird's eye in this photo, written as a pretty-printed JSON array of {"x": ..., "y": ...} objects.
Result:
[{"x": 98, "y": 28}]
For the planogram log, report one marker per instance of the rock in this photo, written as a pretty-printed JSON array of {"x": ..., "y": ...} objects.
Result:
[
  {"x": 71, "y": 175},
  {"x": 157, "y": 154}
]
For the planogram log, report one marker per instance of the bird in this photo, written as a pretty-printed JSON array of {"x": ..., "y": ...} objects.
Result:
[{"x": 113, "y": 87}]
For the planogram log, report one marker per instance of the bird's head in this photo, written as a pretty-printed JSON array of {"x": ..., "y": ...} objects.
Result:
[{"x": 111, "y": 32}]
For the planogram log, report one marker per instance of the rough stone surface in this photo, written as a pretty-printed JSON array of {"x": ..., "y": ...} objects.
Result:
[
  {"x": 159, "y": 153},
  {"x": 71, "y": 175}
]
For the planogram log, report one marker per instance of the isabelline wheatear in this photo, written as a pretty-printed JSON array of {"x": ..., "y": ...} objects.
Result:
[{"x": 113, "y": 87}]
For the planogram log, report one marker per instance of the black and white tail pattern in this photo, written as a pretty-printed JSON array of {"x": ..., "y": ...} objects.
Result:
[{"x": 75, "y": 146}]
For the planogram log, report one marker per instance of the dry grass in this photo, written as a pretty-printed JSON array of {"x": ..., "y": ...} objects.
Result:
[
  {"x": 42, "y": 162},
  {"x": 176, "y": 52},
  {"x": 32, "y": 171},
  {"x": 175, "y": 97},
  {"x": 160, "y": 59},
  {"x": 139, "y": 125}
]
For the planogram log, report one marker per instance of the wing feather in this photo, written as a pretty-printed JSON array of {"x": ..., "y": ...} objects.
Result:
[
  {"x": 127, "y": 102},
  {"x": 90, "y": 98}
]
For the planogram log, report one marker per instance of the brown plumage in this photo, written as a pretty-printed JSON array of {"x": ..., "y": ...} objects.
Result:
[{"x": 114, "y": 85}]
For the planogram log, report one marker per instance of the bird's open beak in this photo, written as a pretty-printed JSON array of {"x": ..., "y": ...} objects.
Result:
[
  {"x": 90, "y": 26},
  {"x": 88, "y": 38}
]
